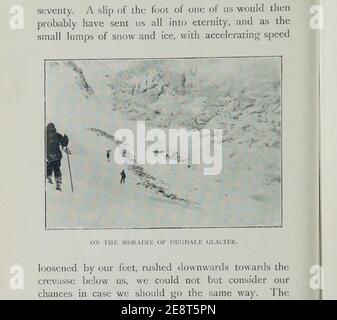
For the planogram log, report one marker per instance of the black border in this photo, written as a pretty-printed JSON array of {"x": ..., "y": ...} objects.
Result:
[{"x": 165, "y": 228}]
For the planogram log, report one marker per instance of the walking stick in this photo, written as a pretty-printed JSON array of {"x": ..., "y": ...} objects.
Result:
[{"x": 71, "y": 178}]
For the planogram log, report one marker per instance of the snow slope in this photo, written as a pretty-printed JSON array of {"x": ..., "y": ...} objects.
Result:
[{"x": 90, "y": 100}]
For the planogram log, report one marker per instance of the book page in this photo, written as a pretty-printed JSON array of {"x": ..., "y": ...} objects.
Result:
[{"x": 157, "y": 150}]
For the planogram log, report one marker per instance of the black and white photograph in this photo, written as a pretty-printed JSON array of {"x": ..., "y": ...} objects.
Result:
[{"x": 163, "y": 143}]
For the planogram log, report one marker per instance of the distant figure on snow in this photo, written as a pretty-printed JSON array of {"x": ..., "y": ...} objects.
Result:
[
  {"x": 108, "y": 154},
  {"x": 123, "y": 176},
  {"x": 54, "y": 154}
]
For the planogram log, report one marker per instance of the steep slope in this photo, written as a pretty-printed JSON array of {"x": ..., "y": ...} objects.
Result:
[{"x": 243, "y": 99}]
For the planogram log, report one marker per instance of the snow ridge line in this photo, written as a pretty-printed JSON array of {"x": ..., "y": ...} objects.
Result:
[
  {"x": 147, "y": 181},
  {"x": 82, "y": 81}
]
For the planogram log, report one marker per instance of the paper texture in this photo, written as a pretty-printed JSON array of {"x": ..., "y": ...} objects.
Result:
[
  {"x": 328, "y": 154},
  {"x": 267, "y": 218}
]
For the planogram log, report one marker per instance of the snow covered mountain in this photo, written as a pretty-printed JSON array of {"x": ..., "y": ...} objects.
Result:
[{"x": 90, "y": 100}]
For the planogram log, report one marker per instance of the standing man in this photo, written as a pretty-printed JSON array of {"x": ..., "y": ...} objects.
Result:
[
  {"x": 54, "y": 154},
  {"x": 123, "y": 176},
  {"x": 108, "y": 154}
]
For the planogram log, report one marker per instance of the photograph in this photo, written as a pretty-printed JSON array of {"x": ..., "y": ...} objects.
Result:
[{"x": 163, "y": 143}]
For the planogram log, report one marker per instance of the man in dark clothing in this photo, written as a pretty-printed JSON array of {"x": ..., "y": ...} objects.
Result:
[
  {"x": 108, "y": 155},
  {"x": 123, "y": 176},
  {"x": 54, "y": 154}
]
